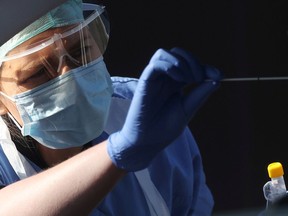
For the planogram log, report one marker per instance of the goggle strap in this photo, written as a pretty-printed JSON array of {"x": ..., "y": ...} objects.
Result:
[{"x": 15, "y": 121}]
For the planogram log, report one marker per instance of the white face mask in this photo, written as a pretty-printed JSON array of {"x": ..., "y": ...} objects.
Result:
[{"x": 68, "y": 111}]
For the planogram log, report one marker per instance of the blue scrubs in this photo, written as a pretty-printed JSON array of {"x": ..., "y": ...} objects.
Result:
[{"x": 176, "y": 173}]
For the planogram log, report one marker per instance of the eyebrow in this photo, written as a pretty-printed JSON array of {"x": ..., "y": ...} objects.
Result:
[
  {"x": 31, "y": 62},
  {"x": 27, "y": 69}
]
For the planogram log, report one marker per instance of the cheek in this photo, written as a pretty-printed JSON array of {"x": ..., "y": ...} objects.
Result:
[
  {"x": 10, "y": 76},
  {"x": 7, "y": 85},
  {"x": 8, "y": 106}
]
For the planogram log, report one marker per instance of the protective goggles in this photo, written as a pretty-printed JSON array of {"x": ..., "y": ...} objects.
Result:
[{"x": 72, "y": 46}]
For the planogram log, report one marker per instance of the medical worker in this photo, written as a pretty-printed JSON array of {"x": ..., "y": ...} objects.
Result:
[{"x": 75, "y": 141}]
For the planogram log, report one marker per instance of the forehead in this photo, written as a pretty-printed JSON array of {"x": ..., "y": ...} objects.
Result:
[
  {"x": 38, "y": 39},
  {"x": 12, "y": 65},
  {"x": 27, "y": 57},
  {"x": 46, "y": 51},
  {"x": 13, "y": 70}
]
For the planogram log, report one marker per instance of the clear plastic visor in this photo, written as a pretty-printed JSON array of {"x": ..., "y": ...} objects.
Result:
[{"x": 57, "y": 50}]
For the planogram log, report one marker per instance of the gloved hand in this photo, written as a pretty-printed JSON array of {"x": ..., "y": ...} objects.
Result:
[{"x": 160, "y": 109}]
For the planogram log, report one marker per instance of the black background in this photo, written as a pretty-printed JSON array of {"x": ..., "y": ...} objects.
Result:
[{"x": 243, "y": 126}]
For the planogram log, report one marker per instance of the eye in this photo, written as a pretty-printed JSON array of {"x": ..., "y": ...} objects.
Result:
[
  {"x": 34, "y": 79},
  {"x": 80, "y": 49},
  {"x": 76, "y": 53}
]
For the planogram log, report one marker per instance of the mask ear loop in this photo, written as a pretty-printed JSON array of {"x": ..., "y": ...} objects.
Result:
[
  {"x": 62, "y": 52},
  {"x": 9, "y": 114}
]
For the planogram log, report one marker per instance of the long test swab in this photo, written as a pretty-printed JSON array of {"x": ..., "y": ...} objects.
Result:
[{"x": 254, "y": 79}]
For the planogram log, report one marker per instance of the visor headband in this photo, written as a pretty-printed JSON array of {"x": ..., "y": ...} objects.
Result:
[{"x": 68, "y": 13}]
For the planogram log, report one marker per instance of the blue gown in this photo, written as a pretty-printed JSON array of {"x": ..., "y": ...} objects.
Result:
[{"x": 173, "y": 184}]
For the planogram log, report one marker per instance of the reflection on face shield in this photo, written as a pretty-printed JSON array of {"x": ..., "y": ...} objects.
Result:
[{"x": 57, "y": 50}]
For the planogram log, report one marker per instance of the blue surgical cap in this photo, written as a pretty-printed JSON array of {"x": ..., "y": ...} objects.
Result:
[{"x": 68, "y": 13}]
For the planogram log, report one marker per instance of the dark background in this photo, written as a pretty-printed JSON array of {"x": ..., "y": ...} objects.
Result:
[{"x": 243, "y": 126}]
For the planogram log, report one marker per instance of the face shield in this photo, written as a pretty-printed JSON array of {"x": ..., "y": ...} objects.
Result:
[{"x": 57, "y": 50}]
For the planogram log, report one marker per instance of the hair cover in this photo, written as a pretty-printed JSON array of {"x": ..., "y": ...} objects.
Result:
[{"x": 68, "y": 13}]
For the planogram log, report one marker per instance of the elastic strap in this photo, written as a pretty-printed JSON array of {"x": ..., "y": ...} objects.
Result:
[{"x": 155, "y": 201}]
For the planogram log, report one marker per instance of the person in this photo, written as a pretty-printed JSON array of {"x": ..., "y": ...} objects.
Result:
[{"x": 76, "y": 141}]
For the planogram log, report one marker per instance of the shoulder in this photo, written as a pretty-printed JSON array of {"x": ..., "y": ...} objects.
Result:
[{"x": 124, "y": 87}]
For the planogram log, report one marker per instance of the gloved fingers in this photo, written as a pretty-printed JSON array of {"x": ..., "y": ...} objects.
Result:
[
  {"x": 194, "y": 100},
  {"x": 153, "y": 94},
  {"x": 180, "y": 65},
  {"x": 157, "y": 83},
  {"x": 195, "y": 72},
  {"x": 166, "y": 63},
  {"x": 213, "y": 73}
]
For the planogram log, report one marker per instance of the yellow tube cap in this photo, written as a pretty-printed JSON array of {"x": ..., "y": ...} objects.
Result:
[{"x": 275, "y": 170}]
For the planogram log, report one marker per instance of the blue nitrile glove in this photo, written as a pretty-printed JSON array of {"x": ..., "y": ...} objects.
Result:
[{"x": 160, "y": 110}]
